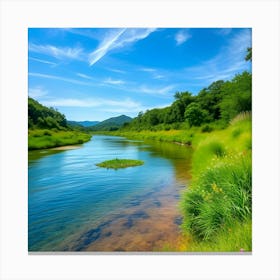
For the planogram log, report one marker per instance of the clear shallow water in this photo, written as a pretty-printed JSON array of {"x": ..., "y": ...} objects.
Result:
[{"x": 73, "y": 205}]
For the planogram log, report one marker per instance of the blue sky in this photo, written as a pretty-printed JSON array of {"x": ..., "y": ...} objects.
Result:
[{"x": 98, "y": 73}]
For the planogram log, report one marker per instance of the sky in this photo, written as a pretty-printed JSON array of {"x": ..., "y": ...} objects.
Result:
[{"x": 98, "y": 73}]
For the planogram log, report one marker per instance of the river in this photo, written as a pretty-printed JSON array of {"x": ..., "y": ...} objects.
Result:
[{"x": 73, "y": 205}]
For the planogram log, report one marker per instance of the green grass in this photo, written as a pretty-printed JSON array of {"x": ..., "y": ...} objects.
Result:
[
  {"x": 234, "y": 238},
  {"x": 44, "y": 138},
  {"x": 120, "y": 163},
  {"x": 220, "y": 195}
]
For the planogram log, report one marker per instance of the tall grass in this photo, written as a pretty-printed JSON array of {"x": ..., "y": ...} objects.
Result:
[
  {"x": 234, "y": 238},
  {"x": 220, "y": 196}
]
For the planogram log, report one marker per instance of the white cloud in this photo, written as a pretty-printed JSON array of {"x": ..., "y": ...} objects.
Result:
[
  {"x": 43, "y": 61},
  {"x": 37, "y": 92},
  {"x": 52, "y": 77},
  {"x": 59, "y": 53},
  {"x": 224, "y": 31},
  {"x": 116, "y": 70},
  {"x": 117, "y": 39},
  {"x": 93, "y": 102},
  {"x": 153, "y": 72},
  {"x": 113, "y": 82},
  {"x": 229, "y": 61},
  {"x": 149, "y": 70},
  {"x": 158, "y": 76},
  {"x": 104, "y": 47},
  {"x": 157, "y": 90},
  {"x": 84, "y": 76},
  {"x": 182, "y": 36}
]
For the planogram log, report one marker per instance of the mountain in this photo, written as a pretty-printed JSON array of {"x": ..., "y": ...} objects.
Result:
[
  {"x": 83, "y": 123},
  {"x": 111, "y": 124}
]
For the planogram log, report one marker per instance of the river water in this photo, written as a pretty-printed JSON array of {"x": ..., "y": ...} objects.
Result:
[{"x": 73, "y": 205}]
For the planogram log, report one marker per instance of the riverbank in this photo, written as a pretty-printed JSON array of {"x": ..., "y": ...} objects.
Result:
[
  {"x": 217, "y": 206},
  {"x": 47, "y": 138}
]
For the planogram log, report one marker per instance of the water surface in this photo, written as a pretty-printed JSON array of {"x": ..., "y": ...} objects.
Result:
[{"x": 73, "y": 205}]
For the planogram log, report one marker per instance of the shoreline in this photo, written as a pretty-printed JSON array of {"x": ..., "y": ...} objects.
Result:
[{"x": 67, "y": 147}]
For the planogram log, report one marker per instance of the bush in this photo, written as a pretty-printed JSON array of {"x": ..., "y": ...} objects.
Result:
[{"x": 206, "y": 128}]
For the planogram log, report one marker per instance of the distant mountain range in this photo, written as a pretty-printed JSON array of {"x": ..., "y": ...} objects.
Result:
[
  {"x": 83, "y": 123},
  {"x": 106, "y": 125}
]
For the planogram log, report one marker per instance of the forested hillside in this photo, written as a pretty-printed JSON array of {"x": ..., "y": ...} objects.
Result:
[
  {"x": 219, "y": 102},
  {"x": 40, "y": 116},
  {"x": 48, "y": 128},
  {"x": 111, "y": 124}
]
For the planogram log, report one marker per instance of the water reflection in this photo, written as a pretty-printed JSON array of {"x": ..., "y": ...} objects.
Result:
[{"x": 76, "y": 206}]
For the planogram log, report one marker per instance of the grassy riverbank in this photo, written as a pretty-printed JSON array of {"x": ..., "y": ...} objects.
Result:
[
  {"x": 48, "y": 138},
  {"x": 217, "y": 206}
]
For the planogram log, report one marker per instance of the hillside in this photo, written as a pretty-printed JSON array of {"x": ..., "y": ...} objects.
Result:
[
  {"x": 40, "y": 116},
  {"x": 111, "y": 123},
  {"x": 48, "y": 128},
  {"x": 83, "y": 123}
]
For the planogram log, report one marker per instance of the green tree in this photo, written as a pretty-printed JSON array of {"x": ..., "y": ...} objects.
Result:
[
  {"x": 237, "y": 96},
  {"x": 195, "y": 115},
  {"x": 209, "y": 99}
]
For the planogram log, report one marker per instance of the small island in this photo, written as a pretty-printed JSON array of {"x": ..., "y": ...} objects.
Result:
[{"x": 120, "y": 163}]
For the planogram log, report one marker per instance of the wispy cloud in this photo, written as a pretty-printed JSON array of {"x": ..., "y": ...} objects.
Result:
[
  {"x": 57, "y": 52},
  {"x": 73, "y": 81},
  {"x": 154, "y": 72},
  {"x": 85, "y": 32},
  {"x": 182, "y": 36},
  {"x": 228, "y": 62},
  {"x": 84, "y": 76},
  {"x": 113, "y": 82},
  {"x": 42, "y": 61},
  {"x": 117, "y": 70},
  {"x": 37, "y": 92},
  {"x": 157, "y": 90},
  {"x": 125, "y": 106},
  {"x": 117, "y": 39},
  {"x": 149, "y": 70},
  {"x": 223, "y": 31},
  {"x": 92, "y": 102}
]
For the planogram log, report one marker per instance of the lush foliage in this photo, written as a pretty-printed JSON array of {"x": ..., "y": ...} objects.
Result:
[
  {"x": 120, "y": 163},
  {"x": 48, "y": 128},
  {"x": 218, "y": 103},
  {"x": 40, "y": 116}
]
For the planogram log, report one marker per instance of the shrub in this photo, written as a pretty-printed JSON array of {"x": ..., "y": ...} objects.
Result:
[{"x": 206, "y": 128}]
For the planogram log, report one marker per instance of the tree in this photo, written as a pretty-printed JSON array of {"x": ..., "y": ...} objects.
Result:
[
  {"x": 40, "y": 116},
  {"x": 237, "y": 96},
  {"x": 195, "y": 115},
  {"x": 209, "y": 99}
]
